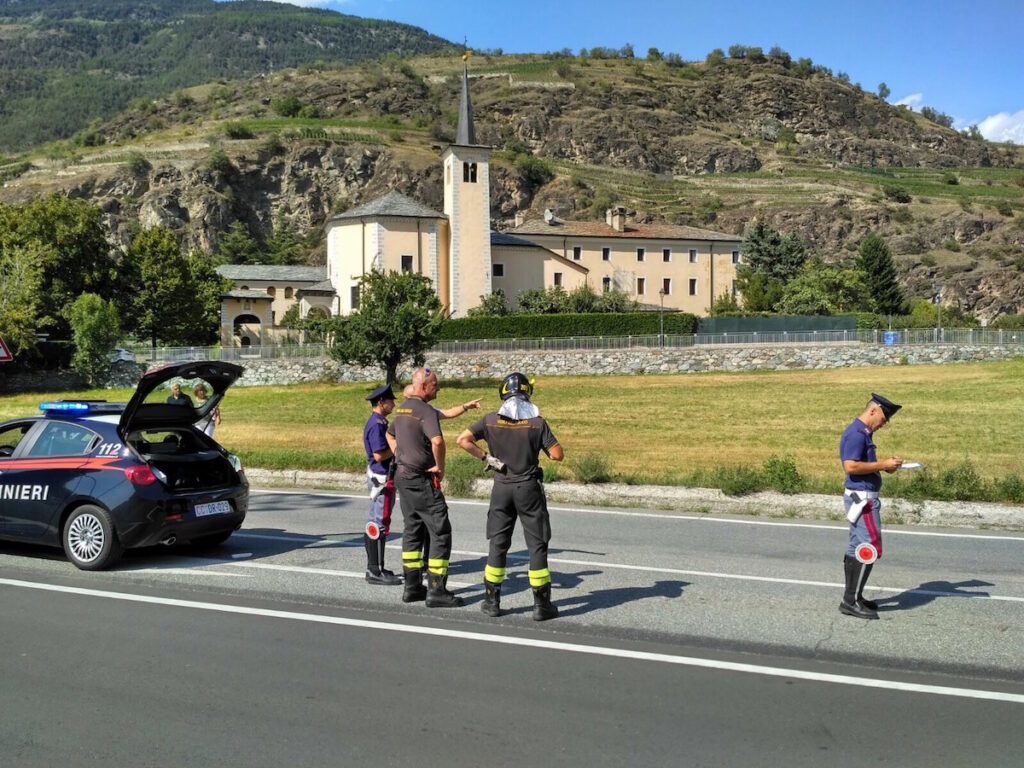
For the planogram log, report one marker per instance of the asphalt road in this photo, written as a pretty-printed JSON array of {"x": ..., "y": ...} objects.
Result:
[{"x": 682, "y": 640}]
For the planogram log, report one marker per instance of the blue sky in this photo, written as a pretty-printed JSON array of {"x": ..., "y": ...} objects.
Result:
[{"x": 965, "y": 59}]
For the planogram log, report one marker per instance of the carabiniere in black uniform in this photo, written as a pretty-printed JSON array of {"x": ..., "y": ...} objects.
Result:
[{"x": 515, "y": 435}]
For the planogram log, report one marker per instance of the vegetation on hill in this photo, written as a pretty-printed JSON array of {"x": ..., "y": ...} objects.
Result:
[{"x": 66, "y": 63}]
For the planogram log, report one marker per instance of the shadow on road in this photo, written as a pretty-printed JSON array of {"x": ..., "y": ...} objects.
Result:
[
  {"x": 609, "y": 598},
  {"x": 928, "y": 591}
]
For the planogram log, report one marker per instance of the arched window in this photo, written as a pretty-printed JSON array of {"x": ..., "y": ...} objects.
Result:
[
  {"x": 272, "y": 291},
  {"x": 288, "y": 293},
  {"x": 469, "y": 172}
]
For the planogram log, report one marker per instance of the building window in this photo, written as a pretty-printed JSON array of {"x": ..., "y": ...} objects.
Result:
[
  {"x": 606, "y": 254},
  {"x": 271, "y": 291},
  {"x": 247, "y": 305},
  {"x": 641, "y": 286},
  {"x": 469, "y": 172},
  {"x": 693, "y": 255},
  {"x": 288, "y": 293},
  {"x": 693, "y": 286},
  {"x": 666, "y": 254},
  {"x": 355, "y": 296},
  {"x": 666, "y": 286},
  {"x": 558, "y": 279},
  {"x": 577, "y": 252},
  {"x": 606, "y": 284},
  {"x": 640, "y": 254},
  {"x": 735, "y": 257},
  {"x": 407, "y": 262},
  {"x": 498, "y": 269}
]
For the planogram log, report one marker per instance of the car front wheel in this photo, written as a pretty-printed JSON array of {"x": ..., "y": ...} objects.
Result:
[{"x": 89, "y": 539}]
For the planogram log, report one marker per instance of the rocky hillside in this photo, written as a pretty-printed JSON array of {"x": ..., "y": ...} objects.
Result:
[{"x": 712, "y": 145}]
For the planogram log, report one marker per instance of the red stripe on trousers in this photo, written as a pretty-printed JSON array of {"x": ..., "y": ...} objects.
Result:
[{"x": 873, "y": 532}]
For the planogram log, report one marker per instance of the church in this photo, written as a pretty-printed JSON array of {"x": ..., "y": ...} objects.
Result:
[{"x": 660, "y": 265}]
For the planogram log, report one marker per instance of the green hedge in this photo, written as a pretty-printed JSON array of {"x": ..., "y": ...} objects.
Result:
[{"x": 561, "y": 326}]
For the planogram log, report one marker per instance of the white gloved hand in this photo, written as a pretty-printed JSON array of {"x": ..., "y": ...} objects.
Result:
[{"x": 493, "y": 462}]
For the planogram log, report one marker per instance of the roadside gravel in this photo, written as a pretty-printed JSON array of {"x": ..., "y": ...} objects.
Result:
[{"x": 698, "y": 500}]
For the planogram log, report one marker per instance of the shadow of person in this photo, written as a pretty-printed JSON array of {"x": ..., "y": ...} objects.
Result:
[
  {"x": 576, "y": 605},
  {"x": 928, "y": 591}
]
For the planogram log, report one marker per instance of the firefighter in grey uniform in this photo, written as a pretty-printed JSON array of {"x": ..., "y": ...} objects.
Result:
[
  {"x": 418, "y": 444},
  {"x": 515, "y": 435}
]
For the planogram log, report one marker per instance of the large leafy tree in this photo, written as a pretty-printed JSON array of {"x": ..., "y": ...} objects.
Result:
[
  {"x": 166, "y": 307},
  {"x": 770, "y": 260},
  {"x": 399, "y": 318},
  {"x": 96, "y": 332},
  {"x": 20, "y": 277},
  {"x": 69, "y": 244},
  {"x": 825, "y": 289},
  {"x": 879, "y": 269},
  {"x": 208, "y": 286}
]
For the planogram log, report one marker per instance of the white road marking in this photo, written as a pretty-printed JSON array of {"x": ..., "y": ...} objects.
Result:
[
  {"x": 312, "y": 541},
  {"x": 551, "y": 645},
  {"x": 890, "y": 530},
  {"x": 170, "y": 571},
  {"x": 326, "y": 572}
]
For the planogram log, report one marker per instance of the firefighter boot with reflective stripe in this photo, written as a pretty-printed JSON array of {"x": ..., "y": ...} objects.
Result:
[
  {"x": 855, "y": 576},
  {"x": 438, "y": 595},
  {"x": 542, "y": 607},
  {"x": 414, "y": 589},
  {"x": 491, "y": 606},
  {"x": 869, "y": 604}
]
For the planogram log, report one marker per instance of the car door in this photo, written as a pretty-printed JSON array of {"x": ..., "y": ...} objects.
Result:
[
  {"x": 12, "y": 435},
  {"x": 41, "y": 474}
]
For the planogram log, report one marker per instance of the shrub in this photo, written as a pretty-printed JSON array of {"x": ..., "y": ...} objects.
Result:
[
  {"x": 1011, "y": 488},
  {"x": 563, "y": 325},
  {"x": 592, "y": 468},
  {"x": 219, "y": 162},
  {"x": 897, "y": 193},
  {"x": 961, "y": 483},
  {"x": 781, "y": 475},
  {"x": 737, "y": 481},
  {"x": 1003, "y": 208},
  {"x": 289, "y": 106},
  {"x": 460, "y": 472},
  {"x": 137, "y": 164},
  {"x": 235, "y": 130}
]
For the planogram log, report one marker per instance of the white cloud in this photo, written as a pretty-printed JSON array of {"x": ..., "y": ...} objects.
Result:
[
  {"x": 913, "y": 100},
  {"x": 1004, "y": 127}
]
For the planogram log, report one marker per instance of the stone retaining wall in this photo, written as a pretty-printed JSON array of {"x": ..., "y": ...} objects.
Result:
[{"x": 494, "y": 365}]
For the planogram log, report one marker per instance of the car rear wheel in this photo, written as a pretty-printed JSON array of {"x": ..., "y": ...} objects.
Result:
[{"x": 89, "y": 539}]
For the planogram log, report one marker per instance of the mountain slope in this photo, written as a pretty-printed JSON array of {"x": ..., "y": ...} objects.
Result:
[{"x": 68, "y": 62}]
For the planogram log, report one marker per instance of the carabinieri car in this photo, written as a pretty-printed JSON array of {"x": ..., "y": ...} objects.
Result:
[{"x": 97, "y": 478}]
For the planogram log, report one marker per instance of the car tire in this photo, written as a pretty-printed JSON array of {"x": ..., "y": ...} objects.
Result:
[
  {"x": 213, "y": 540},
  {"x": 89, "y": 539}
]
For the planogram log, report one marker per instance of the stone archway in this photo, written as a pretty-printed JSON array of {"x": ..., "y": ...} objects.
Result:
[{"x": 247, "y": 330}]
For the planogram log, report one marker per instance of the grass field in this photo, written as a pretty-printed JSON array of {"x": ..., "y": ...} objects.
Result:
[{"x": 963, "y": 422}]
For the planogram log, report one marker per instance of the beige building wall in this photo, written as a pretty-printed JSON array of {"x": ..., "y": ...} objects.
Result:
[
  {"x": 692, "y": 287},
  {"x": 524, "y": 268},
  {"x": 282, "y": 293},
  {"x": 232, "y": 308},
  {"x": 467, "y": 202}
]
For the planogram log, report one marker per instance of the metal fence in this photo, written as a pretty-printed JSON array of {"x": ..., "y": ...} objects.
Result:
[{"x": 906, "y": 337}]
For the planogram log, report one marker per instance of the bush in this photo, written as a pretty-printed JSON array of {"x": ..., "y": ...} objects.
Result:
[
  {"x": 592, "y": 468},
  {"x": 781, "y": 475},
  {"x": 460, "y": 472},
  {"x": 1003, "y": 208},
  {"x": 563, "y": 325},
  {"x": 897, "y": 193},
  {"x": 1010, "y": 488},
  {"x": 289, "y": 106},
  {"x": 137, "y": 164},
  {"x": 236, "y": 130},
  {"x": 219, "y": 162},
  {"x": 961, "y": 483},
  {"x": 737, "y": 481}
]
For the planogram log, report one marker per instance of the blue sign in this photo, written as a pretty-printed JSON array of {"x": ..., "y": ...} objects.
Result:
[{"x": 891, "y": 337}]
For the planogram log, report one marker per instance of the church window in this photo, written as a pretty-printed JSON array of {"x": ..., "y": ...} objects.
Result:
[
  {"x": 469, "y": 172},
  {"x": 577, "y": 252},
  {"x": 498, "y": 269},
  {"x": 272, "y": 291},
  {"x": 407, "y": 262}
]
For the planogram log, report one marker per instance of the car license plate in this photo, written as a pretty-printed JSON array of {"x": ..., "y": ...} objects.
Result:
[{"x": 213, "y": 508}]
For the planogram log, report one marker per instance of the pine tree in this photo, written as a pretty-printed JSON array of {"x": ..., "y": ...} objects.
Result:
[{"x": 880, "y": 270}]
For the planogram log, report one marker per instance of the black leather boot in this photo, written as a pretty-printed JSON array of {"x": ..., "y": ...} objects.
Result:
[
  {"x": 851, "y": 606},
  {"x": 375, "y": 574},
  {"x": 542, "y": 607},
  {"x": 414, "y": 589},
  {"x": 871, "y": 604},
  {"x": 491, "y": 606},
  {"x": 438, "y": 594}
]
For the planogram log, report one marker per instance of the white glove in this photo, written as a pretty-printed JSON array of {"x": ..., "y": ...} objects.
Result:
[{"x": 493, "y": 462}]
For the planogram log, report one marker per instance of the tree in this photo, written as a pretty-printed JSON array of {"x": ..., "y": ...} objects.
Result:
[
  {"x": 653, "y": 54},
  {"x": 883, "y": 91},
  {"x": 876, "y": 262},
  {"x": 20, "y": 277},
  {"x": 541, "y": 301},
  {"x": 616, "y": 301},
  {"x": 825, "y": 289},
  {"x": 714, "y": 58},
  {"x": 399, "y": 318},
  {"x": 737, "y": 51},
  {"x": 725, "y": 304},
  {"x": 760, "y": 292},
  {"x": 96, "y": 331},
  {"x": 208, "y": 287},
  {"x": 68, "y": 242},
  {"x": 494, "y": 304},
  {"x": 165, "y": 307},
  {"x": 581, "y": 299},
  {"x": 769, "y": 252},
  {"x": 283, "y": 247},
  {"x": 237, "y": 246}
]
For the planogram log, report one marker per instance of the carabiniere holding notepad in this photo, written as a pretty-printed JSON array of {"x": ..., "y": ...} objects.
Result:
[{"x": 860, "y": 499}]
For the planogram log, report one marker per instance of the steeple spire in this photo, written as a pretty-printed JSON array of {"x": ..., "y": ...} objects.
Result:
[{"x": 464, "y": 134}]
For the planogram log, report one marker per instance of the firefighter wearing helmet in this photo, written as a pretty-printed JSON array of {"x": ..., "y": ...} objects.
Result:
[{"x": 515, "y": 435}]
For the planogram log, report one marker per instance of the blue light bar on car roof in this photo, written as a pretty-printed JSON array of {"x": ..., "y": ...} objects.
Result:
[{"x": 65, "y": 406}]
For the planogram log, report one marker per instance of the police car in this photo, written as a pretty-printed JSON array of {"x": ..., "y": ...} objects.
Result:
[{"x": 97, "y": 478}]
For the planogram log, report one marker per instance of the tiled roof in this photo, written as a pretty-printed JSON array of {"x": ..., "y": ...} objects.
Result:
[
  {"x": 324, "y": 286},
  {"x": 391, "y": 204},
  {"x": 503, "y": 238},
  {"x": 272, "y": 273},
  {"x": 633, "y": 231}
]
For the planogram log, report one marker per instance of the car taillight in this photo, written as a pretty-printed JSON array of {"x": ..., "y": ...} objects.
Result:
[{"x": 140, "y": 474}]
